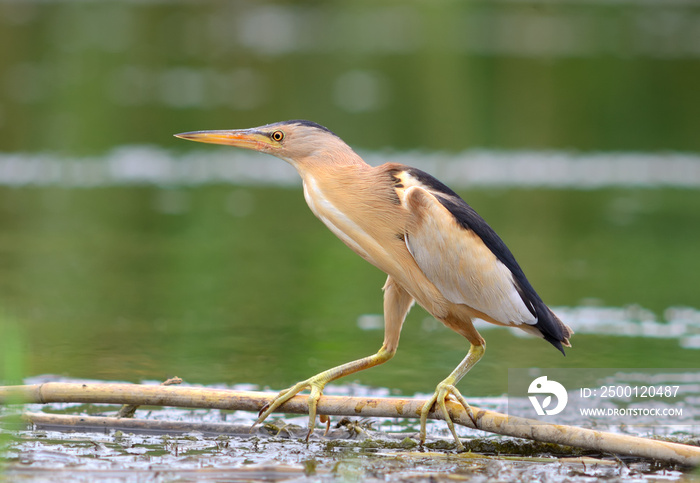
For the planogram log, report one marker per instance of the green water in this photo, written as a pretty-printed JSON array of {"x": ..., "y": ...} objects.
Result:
[
  {"x": 244, "y": 285},
  {"x": 85, "y": 76},
  {"x": 222, "y": 283}
]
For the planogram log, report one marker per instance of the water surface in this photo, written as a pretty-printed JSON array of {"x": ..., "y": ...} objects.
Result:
[{"x": 243, "y": 284}]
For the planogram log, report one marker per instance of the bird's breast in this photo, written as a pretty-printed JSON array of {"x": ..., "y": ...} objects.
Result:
[
  {"x": 364, "y": 223},
  {"x": 367, "y": 214},
  {"x": 334, "y": 218}
]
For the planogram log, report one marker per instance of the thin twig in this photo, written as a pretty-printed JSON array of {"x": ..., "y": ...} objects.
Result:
[{"x": 134, "y": 425}]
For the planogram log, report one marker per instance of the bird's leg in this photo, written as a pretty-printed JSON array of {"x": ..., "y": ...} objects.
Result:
[
  {"x": 446, "y": 387},
  {"x": 397, "y": 303},
  {"x": 316, "y": 384}
]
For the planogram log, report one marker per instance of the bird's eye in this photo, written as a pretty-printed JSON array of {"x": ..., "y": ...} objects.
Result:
[{"x": 277, "y": 136}]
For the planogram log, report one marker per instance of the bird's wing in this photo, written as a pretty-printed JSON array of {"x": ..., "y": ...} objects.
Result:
[{"x": 447, "y": 246}]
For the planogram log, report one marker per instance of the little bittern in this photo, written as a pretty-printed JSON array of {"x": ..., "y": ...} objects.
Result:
[{"x": 435, "y": 249}]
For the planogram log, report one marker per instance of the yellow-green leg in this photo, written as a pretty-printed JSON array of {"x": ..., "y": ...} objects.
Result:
[
  {"x": 447, "y": 387},
  {"x": 316, "y": 384},
  {"x": 397, "y": 303}
]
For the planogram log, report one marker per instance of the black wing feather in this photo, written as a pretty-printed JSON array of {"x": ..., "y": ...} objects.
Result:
[{"x": 468, "y": 218}]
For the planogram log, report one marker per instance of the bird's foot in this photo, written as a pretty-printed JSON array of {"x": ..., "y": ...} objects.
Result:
[
  {"x": 314, "y": 384},
  {"x": 444, "y": 389}
]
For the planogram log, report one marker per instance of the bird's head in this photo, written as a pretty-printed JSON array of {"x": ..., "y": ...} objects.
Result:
[{"x": 294, "y": 141}]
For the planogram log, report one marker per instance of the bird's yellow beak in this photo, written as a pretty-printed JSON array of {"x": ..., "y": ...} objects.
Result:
[{"x": 242, "y": 138}]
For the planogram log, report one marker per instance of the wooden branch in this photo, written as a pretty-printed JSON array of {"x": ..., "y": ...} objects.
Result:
[
  {"x": 128, "y": 410},
  {"x": 93, "y": 423},
  {"x": 491, "y": 421}
]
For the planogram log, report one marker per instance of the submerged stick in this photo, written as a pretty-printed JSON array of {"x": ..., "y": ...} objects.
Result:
[
  {"x": 94, "y": 423},
  {"x": 491, "y": 421}
]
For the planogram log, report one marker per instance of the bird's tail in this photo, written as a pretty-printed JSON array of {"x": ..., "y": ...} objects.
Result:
[{"x": 552, "y": 328}]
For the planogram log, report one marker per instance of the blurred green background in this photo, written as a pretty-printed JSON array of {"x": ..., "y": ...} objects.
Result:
[{"x": 225, "y": 282}]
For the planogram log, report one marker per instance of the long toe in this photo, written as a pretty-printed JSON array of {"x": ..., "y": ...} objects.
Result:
[
  {"x": 319, "y": 381},
  {"x": 425, "y": 410},
  {"x": 438, "y": 400},
  {"x": 315, "y": 395},
  {"x": 465, "y": 405},
  {"x": 314, "y": 384},
  {"x": 280, "y": 399}
]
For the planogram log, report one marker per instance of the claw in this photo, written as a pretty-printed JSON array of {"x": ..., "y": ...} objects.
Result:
[
  {"x": 313, "y": 401},
  {"x": 438, "y": 399},
  {"x": 284, "y": 396},
  {"x": 318, "y": 382},
  {"x": 262, "y": 410},
  {"x": 446, "y": 388}
]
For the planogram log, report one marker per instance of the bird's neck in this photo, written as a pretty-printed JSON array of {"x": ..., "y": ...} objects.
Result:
[
  {"x": 358, "y": 203},
  {"x": 327, "y": 163}
]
